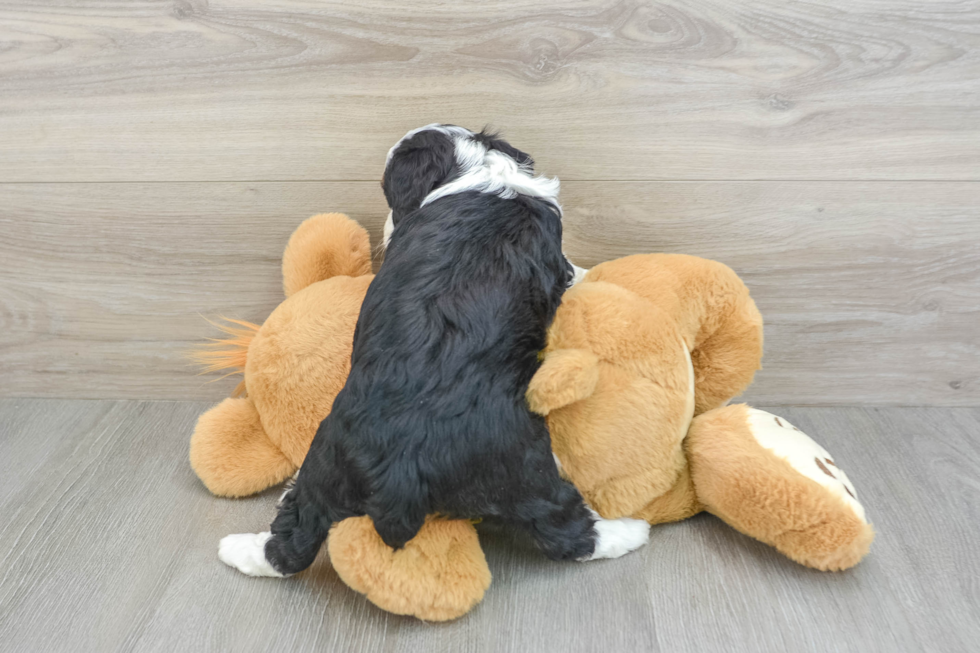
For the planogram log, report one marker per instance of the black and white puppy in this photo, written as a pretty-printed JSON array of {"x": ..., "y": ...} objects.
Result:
[{"x": 433, "y": 417}]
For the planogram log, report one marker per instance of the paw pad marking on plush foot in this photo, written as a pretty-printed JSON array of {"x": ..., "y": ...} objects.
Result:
[
  {"x": 246, "y": 553},
  {"x": 804, "y": 455}
]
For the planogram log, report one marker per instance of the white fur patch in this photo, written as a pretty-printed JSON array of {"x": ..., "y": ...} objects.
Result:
[
  {"x": 246, "y": 553},
  {"x": 579, "y": 273},
  {"x": 617, "y": 537},
  {"x": 804, "y": 455},
  {"x": 493, "y": 172},
  {"x": 290, "y": 484},
  {"x": 561, "y": 470},
  {"x": 388, "y": 230}
]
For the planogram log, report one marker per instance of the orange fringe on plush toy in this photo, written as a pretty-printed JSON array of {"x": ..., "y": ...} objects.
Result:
[{"x": 226, "y": 354}]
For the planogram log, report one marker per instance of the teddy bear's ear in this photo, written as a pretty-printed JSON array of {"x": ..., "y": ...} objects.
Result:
[
  {"x": 565, "y": 376},
  {"x": 324, "y": 246}
]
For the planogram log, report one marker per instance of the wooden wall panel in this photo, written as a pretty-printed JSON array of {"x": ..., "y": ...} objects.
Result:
[
  {"x": 114, "y": 90},
  {"x": 870, "y": 290}
]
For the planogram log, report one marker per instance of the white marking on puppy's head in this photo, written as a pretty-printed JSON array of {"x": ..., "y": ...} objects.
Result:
[
  {"x": 438, "y": 160},
  {"x": 494, "y": 172}
]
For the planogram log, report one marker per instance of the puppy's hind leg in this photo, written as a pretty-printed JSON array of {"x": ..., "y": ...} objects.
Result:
[
  {"x": 565, "y": 528},
  {"x": 290, "y": 546}
]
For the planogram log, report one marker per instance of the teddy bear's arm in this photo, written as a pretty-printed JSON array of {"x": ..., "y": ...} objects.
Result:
[{"x": 565, "y": 376}]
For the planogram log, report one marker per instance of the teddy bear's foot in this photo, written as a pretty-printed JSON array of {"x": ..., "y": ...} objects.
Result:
[
  {"x": 617, "y": 537},
  {"x": 231, "y": 453},
  {"x": 769, "y": 480},
  {"x": 439, "y": 575}
]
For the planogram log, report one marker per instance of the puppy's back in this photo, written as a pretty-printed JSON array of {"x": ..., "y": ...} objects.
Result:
[{"x": 445, "y": 346}]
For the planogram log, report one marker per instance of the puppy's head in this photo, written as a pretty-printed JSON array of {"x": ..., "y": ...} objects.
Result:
[{"x": 430, "y": 157}]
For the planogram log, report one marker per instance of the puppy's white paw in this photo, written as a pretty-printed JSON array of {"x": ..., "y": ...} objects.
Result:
[
  {"x": 616, "y": 537},
  {"x": 246, "y": 553}
]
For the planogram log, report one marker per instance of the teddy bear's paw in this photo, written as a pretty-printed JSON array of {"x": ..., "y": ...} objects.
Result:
[
  {"x": 246, "y": 553},
  {"x": 617, "y": 537}
]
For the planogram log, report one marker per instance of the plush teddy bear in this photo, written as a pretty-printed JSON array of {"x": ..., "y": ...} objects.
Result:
[
  {"x": 294, "y": 364},
  {"x": 641, "y": 358}
]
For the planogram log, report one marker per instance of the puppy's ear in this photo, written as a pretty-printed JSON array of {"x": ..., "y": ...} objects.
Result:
[
  {"x": 421, "y": 164},
  {"x": 565, "y": 376},
  {"x": 492, "y": 141}
]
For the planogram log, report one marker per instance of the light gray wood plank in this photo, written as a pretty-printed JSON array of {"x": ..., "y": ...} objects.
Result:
[
  {"x": 108, "y": 543},
  {"x": 103, "y": 287},
  {"x": 109, "y": 90},
  {"x": 870, "y": 290}
]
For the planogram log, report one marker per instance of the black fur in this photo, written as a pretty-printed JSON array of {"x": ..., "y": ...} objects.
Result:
[
  {"x": 423, "y": 163},
  {"x": 433, "y": 417}
]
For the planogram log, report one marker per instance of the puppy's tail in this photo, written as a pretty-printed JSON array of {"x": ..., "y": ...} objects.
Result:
[
  {"x": 227, "y": 355},
  {"x": 398, "y": 507}
]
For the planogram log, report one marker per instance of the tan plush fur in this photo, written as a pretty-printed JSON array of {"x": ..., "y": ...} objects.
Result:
[
  {"x": 325, "y": 246},
  {"x": 626, "y": 348},
  {"x": 714, "y": 313},
  {"x": 440, "y": 574},
  {"x": 227, "y": 354},
  {"x": 762, "y": 496},
  {"x": 569, "y": 376},
  {"x": 293, "y": 365},
  {"x": 232, "y": 454},
  {"x": 621, "y": 445}
]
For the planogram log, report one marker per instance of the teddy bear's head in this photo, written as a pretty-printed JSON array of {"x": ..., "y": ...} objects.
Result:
[{"x": 637, "y": 349}]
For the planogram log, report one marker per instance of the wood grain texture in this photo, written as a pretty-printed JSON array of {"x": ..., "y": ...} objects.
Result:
[
  {"x": 192, "y": 90},
  {"x": 870, "y": 291},
  {"x": 108, "y": 543}
]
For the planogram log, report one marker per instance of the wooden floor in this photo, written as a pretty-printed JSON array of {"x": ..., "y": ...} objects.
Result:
[{"x": 108, "y": 543}]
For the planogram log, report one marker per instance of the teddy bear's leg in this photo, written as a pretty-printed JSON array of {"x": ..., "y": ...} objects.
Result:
[
  {"x": 727, "y": 359},
  {"x": 231, "y": 453},
  {"x": 440, "y": 574},
  {"x": 767, "y": 479}
]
